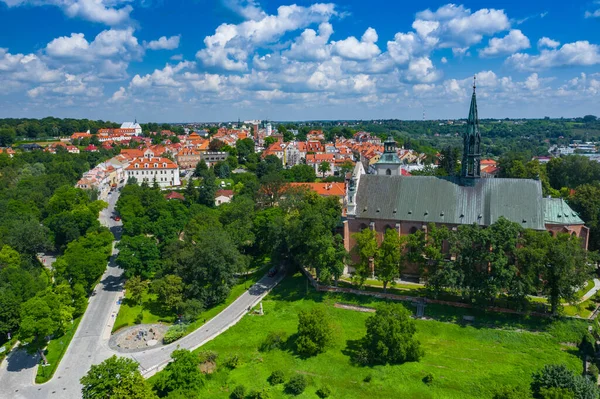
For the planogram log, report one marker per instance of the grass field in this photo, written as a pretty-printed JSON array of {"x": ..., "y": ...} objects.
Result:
[
  {"x": 467, "y": 361},
  {"x": 54, "y": 353}
]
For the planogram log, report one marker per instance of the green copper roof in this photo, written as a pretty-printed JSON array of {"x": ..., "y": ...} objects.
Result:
[
  {"x": 430, "y": 199},
  {"x": 389, "y": 156},
  {"x": 559, "y": 212}
]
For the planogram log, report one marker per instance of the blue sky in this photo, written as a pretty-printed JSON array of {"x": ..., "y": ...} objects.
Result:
[{"x": 212, "y": 60}]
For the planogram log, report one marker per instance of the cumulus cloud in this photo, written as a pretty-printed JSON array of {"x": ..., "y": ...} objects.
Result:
[
  {"x": 509, "y": 44},
  {"x": 580, "y": 53},
  {"x": 310, "y": 45},
  {"x": 350, "y": 48},
  {"x": 249, "y": 9},
  {"x": 108, "y": 12},
  {"x": 119, "y": 95},
  {"x": 230, "y": 46},
  {"x": 164, "y": 43},
  {"x": 547, "y": 42}
]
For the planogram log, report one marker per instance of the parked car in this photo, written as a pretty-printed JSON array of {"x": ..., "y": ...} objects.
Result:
[
  {"x": 272, "y": 272},
  {"x": 115, "y": 218}
]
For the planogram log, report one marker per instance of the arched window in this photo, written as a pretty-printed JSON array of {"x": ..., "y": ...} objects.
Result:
[
  {"x": 362, "y": 227},
  {"x": 388, "y": 172},
  {"x": 156, "y": 165},
  {"x": 413, "y": 230}
]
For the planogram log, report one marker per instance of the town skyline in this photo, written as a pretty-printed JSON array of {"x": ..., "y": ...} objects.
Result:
[{"x": 301, "y": 60}]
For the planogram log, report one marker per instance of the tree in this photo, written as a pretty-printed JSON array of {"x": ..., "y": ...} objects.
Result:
[
  {"x": 314, "y": 332},
  {"x": 324, "y": 167},
  {"x": 346, "y": 167},
  {"x": 331, "y": 260},
  {"x": 191, "y": 193},
  {"x": 388, "y": 257},
  {"x": 136, "y": 288},
  {"x": 366, "y": 249},
  {"x": 42, "y": 316},
  {"x": 169, "y": 290},
  {"x": 7, "y": 136},
  {"x": 215, "y": 145},
  {"x": 182, "y": 374},
  {"x": 301, "y": 174},
  {"x": 244, "y": 147},
  {"x": 201, "y": 168},
  {"x": 558, "y": 376},
  {"x": 116, "y": 377},
  {"x": 449, "y": 157},
  {"x": 208, "y": 189},
  {"x": 138, "y": 256},
  {"x": 390, "y": 336},
  {"x": 9, "y": 257}
]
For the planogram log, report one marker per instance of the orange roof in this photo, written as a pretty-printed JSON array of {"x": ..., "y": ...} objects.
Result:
[
  {"x": 318, "y": 158},
  {"x": 175, "y": 195},
  {"x": 324, "y": 189},
  {"x": 225, "y": 193},
  {"x": 132, "y": 153},
  {"x": 488, "y": 162},
  {"x": 80, "y": 135},
  {"x": 145, "y": 163}
]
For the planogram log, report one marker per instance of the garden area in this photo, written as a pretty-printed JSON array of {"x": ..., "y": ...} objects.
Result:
[{"x": 461, "y": 360}]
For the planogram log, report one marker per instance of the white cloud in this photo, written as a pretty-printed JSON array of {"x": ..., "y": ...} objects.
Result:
[
  {"x": 444, "y": 60},
  {"x": 230, "y": 46},
  {"x": 176, "y": 57},
  {"x": 160, "y": 77},
  {"x": 422, "y": 70},
  {"x": 107, "y": 12},
  {"x": 108, "y": 55},
  {"x": 249, "y": 9},
  {"x": 547, "y": 42},
  {"x": 310, "y": 46},
  {"x": 350, "y": 48},
  {"x": 581, "y": 53},
  {"x": 164, "y": 43},
  {"x": 509, "y": 44},
  {"x": 119, "y": 95},
  {"x": 592, "y": 14}
]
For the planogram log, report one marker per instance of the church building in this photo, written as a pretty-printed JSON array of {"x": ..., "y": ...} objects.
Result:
[{"x": 389, "y": 200}]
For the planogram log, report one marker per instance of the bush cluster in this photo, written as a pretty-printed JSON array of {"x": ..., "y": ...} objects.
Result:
[
  {"x": 174, "y": 333},
  {"x": 276, "y": 377},
  {"x": 296, "y": 385}
]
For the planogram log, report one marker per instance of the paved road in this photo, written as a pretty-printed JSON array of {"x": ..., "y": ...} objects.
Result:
[{"x": 90, "y": 343}]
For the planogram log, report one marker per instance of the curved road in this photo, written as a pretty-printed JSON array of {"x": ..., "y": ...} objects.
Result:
[{"x": 90, "y": 343}]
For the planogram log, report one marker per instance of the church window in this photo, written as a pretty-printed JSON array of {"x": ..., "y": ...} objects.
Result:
[
  {"x": 413, "y": 230},
  {"x": 388, "y": 172}
]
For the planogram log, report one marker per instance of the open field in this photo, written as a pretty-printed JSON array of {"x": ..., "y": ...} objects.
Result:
[{"x": 467, "y": 361}]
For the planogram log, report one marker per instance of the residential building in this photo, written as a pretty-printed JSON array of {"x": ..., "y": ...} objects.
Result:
[{"x": 152, "y": 169}]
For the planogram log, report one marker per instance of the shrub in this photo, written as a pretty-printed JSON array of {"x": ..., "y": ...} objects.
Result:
[
  {"x": 314, "y": 332},
  {"x": 296, "y": 385},
  {"x": 511, "y": 393},
  {"x": 428, "y": 379},
  {"x": 238, "y": 392},
  {"x": 593, "y": 371},
  {"x": 207, "y": 356},
  {"x": 274, "y": 340},
  {"x": 138, "y": 319},
  {"x": 591, "y": 306},
  {"x": 559, "y": 376},
  {"x": 276, "y": 377},
  {"x": 259, "y": 394},
  {"x": 174, "y": 333},
  {"x": 232, "y": 362},
  {"x": 323, "y": 392},
  {"x": 368, "y": 378}
]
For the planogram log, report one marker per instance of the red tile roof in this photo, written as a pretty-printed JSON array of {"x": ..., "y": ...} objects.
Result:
[{"x": 324, "y": 189}]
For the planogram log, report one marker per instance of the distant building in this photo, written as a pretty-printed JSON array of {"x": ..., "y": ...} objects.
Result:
[
  {"x": 212, "y": 158},
  {"x": 188, "y": 158},
  {"x": 133, "y": 125},
  {"x": 223, "y": 197}
]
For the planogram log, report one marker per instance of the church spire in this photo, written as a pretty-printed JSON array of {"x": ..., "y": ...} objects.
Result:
[{"x": 471, "y": 162}]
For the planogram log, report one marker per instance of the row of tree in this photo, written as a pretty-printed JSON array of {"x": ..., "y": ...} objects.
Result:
[{"x": 480, "y": 264}]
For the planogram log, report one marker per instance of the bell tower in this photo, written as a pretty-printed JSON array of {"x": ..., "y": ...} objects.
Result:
[{"x": 471, "y": 162}]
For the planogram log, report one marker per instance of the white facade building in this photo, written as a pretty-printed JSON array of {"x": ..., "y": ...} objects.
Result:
[
  {"x": 150, "y": 169},
  {"x": 133, "y": 125}
]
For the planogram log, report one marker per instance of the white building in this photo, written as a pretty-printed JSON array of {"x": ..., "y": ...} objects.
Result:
[
  {"x": 133, "y": 125},
  {"x": 269, "y": 129},
  {"x": 150, "y": 169}
]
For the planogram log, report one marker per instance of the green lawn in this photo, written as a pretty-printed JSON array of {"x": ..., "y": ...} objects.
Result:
[
  {"x": 54, "y": 353},
  {"x": 467, "y": 361}
]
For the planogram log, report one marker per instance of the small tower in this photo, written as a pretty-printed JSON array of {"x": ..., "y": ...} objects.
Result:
[
  {"x": 389, "y": 164},
  {"x": 471, "y": 161}
]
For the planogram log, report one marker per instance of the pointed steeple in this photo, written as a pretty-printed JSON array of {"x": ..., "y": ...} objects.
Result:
[{"x": 471, "y": 162}]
